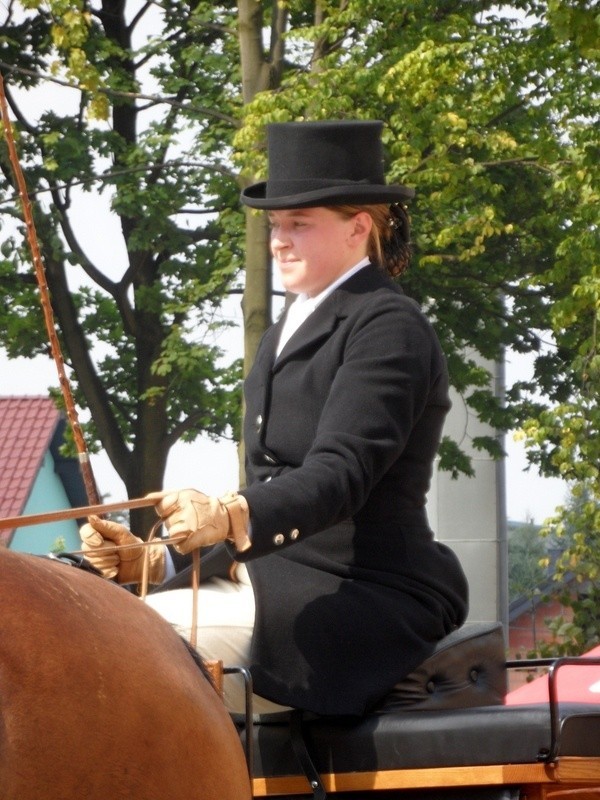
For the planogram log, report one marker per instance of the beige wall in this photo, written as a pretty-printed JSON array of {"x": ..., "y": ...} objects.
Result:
[{"x": 469, "y": 514}]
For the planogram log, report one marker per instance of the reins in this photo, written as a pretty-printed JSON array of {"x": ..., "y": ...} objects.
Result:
[
  {"x": 195, "y": 576},
  {"x": 214, "y": 668},
  {"x": 139, "y": 502},
  {"x": 75, "y": 513}
]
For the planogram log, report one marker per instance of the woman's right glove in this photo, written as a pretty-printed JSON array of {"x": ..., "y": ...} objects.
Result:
[
  {"x": 100, "y": 540},
  {"x": 204, "y": 520}
]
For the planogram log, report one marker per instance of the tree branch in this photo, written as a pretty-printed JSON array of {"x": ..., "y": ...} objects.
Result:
[{"x": 210, "y": 113}]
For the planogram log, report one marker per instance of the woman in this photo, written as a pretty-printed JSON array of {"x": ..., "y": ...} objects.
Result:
[{"x": 348, "y": 591}]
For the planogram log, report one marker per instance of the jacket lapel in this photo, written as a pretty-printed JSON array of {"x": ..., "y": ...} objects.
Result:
[
  {"x": 325, "y": 318},
  {"x": 315, "y": 327}
]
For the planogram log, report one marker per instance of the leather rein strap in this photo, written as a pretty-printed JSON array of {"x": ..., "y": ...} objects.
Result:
[
  {"x": 195, "y": 578},
  {"x": 214, "y": 668}
]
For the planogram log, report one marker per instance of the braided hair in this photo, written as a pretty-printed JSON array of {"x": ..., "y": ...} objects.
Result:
[{"x": 396, "y": 247}]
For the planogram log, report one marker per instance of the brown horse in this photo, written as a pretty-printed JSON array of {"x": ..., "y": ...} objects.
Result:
[{"x": 99, "y": 697}]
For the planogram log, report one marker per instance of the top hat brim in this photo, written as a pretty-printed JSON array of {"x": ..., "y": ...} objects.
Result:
[{"x": 255, "y": 196}]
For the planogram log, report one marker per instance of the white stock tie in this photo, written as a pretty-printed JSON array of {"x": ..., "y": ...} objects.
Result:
[{"x": 300, "y": 309}]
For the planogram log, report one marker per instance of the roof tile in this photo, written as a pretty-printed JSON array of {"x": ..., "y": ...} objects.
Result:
[{"x": 27, "y": 425}]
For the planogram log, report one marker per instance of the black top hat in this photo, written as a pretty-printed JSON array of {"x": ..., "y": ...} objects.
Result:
[{"x": 324, "y": 163}]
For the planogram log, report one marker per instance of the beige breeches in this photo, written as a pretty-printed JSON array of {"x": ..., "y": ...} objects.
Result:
[{"x": 224, "y": 630}]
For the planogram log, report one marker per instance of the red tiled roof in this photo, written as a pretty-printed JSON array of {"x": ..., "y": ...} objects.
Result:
[{"x": 27, "y": 425}]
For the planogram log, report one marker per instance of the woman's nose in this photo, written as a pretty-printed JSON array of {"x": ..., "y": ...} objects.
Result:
[{"x": 279, "y": 239}]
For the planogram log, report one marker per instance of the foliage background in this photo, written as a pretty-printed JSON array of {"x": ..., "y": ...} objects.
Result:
[{"x": 491, "y": 113}]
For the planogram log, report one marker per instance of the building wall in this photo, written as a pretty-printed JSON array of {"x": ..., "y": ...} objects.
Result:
[
  {"x": 526, "y": 632},
  {"x": 469, "y": 514},
  {"x": 529, "y": 630},
  {"x": 47, "y": 494}
]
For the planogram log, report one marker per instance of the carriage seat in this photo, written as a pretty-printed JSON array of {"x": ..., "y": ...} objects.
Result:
[
  {"x": 466, "y": 669},
  {"x": 449, "y": 712}
]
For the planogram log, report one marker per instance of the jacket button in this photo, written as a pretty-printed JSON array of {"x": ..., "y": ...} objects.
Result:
[
  {"x": 279, "y": 538},
  {"x": 294, "y": 534},
  {"x": 269, "y": 459},
  {"x": 259, "y": 422}
]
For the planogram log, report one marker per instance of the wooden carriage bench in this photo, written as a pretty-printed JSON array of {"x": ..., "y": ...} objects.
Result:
[{"x": 442, "y": 734}]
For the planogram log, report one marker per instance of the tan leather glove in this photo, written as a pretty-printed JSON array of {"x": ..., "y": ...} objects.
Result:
[
  {"x": 206, "y": 520},
  {"x": 99, "y": 540}
]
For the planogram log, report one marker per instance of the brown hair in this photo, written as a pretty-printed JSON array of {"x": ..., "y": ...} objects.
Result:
[{"x": 389, "y": 240}]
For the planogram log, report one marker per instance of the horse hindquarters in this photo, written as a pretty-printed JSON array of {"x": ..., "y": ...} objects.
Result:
[{"x": 100, "y": 698}]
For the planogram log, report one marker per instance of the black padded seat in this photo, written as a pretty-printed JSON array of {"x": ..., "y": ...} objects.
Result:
[
  {"x": 467, "y": 668},
  {"x": 447, "y": 713},
  {"x": 413, "y": 740}
]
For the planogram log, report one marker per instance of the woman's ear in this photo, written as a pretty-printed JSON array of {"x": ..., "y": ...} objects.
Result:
[{"x": 361, "y": 227}]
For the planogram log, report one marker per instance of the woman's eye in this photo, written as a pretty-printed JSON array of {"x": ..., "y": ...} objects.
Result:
[{"x": 277, "y": 227}]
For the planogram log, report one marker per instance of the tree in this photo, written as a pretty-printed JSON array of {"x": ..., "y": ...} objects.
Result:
[
  {"x": 479, "y": 121},
  {"x": 574, "y": 528},
  {"x": 526, "y": 572},
  {"x": 526, "y": 551},
  {"x": 563, "y": 439},
  {"x": 484, "y": 109},
  {"x": 136, "y": 334}
]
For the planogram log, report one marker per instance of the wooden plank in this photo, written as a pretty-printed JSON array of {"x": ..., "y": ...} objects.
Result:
[
  {"x": 561, "y": 792},
  {"x": 572, "y": 771},
  {"x": 495, "y": 775}
]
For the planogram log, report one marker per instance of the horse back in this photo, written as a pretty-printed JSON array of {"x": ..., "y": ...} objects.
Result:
[{"x": 99, "y": 697}]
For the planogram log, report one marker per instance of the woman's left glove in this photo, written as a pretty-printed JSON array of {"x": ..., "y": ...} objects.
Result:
[
  {"x": 117, "y": 553},
  {"x": 205, "y": 520}
]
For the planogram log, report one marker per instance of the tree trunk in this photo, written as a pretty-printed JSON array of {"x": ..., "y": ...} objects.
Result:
[{"x": 258, "y": 74}]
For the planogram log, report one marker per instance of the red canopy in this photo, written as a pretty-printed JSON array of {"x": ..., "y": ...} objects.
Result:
[{"x": 575, "y": 683}]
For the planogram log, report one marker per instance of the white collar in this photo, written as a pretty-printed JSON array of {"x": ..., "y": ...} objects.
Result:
[
  {"x": 304, "y": 305},
  {"x": 318, "y": 299}
]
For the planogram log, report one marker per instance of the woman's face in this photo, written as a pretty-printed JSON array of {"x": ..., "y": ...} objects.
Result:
[{"x": 312, "y": 247}]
